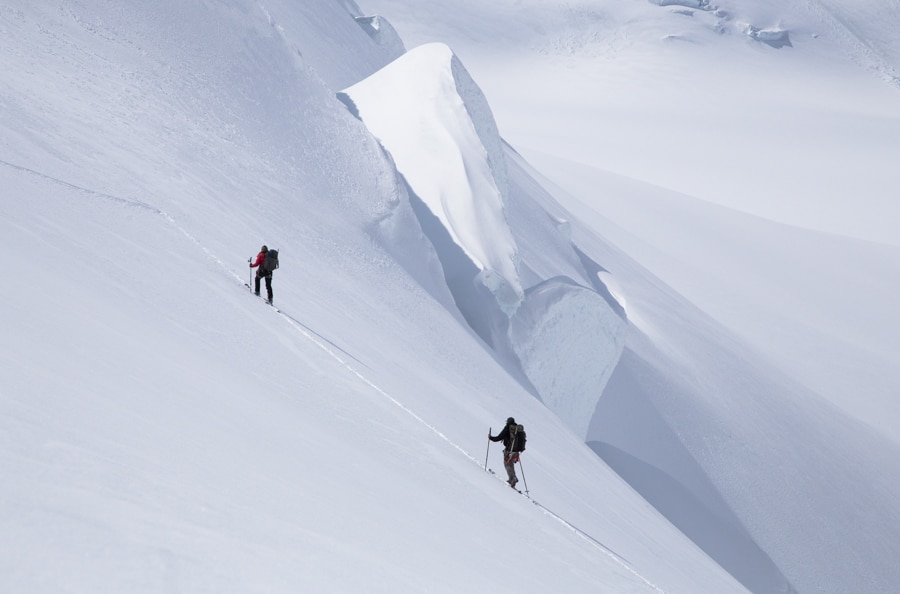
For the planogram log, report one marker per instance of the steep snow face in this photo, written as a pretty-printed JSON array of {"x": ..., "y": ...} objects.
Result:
[
  {"x": 161, "y": 429},
  {"x": 782, "y": 289},
  {"x": 164, "y": 430},
  {"x": 709, "y": 101},
  {"x": 776, "y": 483},
  {"x": 568, "y": 334},
  {"x": 437, "y": 126},
  {"x": 565, "y": 337},
  {"x": 568, "y": 340}
]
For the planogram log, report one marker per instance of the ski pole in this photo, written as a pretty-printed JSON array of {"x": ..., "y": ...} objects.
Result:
[
  {"x": 488, "y": 449},
  {"x": 522, "y": 468}
]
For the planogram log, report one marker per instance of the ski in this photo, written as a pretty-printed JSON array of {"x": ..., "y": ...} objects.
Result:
[
  {"x": 267, "y": 302},
  {"x": 519, "y": 491}
]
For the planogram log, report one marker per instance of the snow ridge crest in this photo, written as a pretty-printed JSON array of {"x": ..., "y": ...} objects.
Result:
[{"x": 432, "y": 118}]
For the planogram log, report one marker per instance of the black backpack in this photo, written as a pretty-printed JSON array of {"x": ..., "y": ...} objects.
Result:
[
  {"x": 271, "y": 262},
  {"x": 517, "y": 438}
]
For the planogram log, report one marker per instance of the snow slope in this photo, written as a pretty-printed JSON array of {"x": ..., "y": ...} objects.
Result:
[
  {"x": 161, "y": 429},
  {"x": 156, "y": 442},
  {"x": 820, "y": 306},
  {"x": 165, "y": 430},
  {"x": 767, "y": 400}
]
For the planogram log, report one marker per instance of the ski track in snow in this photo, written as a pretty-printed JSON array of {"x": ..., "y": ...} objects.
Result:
[
  {"x": 587, "y": 537},
  {"x": 863, "y": 53},
  {"x": 303, "y": 328},
  {"x": 332, "y": 350}
]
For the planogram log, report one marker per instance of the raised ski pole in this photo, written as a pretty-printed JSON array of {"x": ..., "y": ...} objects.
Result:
[
  {"x": 522, "y": 468},
  {"x": 488, "y": 449}
]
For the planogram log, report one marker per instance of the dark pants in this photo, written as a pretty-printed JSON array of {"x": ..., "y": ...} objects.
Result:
[{"x": 260, "y": 274}]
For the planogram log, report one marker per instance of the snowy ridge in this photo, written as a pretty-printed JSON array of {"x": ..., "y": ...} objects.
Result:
[
  {"x": 426, "y": 99},
  {"x": 533, "y": 334},
  {"x": 645, "y": 150}
]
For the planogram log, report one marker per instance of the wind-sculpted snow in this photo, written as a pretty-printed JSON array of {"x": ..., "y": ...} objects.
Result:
[
  {"x": 567, "y": 335},
  {"x": 437, "y": 126},
  {"x": 569, "y": 341},
  {"x": 679, "y": 425}
]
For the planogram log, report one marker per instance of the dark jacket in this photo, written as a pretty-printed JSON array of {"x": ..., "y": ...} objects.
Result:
[{"x": 504, "y": 436}]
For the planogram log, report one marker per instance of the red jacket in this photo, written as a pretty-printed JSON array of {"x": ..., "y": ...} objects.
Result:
[{"x": 260, "y": 260}]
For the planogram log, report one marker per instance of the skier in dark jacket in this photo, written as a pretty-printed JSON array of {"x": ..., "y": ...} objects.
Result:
[
  {"x": 261, "y": 272},
  {"x": 509, "y": 457}
]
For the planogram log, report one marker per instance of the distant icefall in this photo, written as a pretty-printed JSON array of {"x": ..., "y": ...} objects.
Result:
[{"x": 775, "y": 37}]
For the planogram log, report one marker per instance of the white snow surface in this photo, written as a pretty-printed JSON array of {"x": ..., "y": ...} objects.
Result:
[
  {"x": 163, "y": 430},
  {"x": 742, "y": 153},
  {"x": 569, "y": 340},
  {"x": 453, "y": 160},
  {"x": 433, "y": 120}
]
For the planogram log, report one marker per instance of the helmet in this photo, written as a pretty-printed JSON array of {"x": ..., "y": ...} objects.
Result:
[{"x": 510, "y": 421}]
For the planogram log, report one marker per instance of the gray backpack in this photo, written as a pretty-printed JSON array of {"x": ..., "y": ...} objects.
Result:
[
  {"x": 517, "y": 438},
  {"x": 271, "y": 262}
]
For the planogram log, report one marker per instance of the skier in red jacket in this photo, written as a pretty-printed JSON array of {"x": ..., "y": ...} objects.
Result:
[{"x": 261, "y": 272}]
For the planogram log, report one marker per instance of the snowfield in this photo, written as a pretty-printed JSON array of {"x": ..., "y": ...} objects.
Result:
[{"x": 659, "y": 235}]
